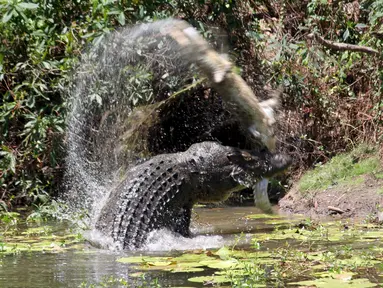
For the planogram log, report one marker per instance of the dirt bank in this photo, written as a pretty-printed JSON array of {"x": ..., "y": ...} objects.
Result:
[{"x": 361, "y": 198}]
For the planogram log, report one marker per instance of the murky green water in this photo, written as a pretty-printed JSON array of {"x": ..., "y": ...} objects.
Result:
[{"x": 269, "y": 251}]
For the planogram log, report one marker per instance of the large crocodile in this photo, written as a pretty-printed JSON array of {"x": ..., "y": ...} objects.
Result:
[{"x": 162, "y": 191}]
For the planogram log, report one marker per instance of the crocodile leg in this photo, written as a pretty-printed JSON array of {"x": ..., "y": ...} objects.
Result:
[{"x": 182, "y": 223}]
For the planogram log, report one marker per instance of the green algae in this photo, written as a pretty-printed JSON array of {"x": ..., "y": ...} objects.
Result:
[
  {"x": 263, "y": 216},
  {"x": 22, "y": 238},
  {"x": 38, "y": 230},
  {"x": 60, "y": 244}
]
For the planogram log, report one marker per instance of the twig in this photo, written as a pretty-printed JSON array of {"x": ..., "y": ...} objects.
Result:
[
  {"x": 343, "y": 46},
  {"x": 337, "y": 200},
  {"x": 336, "y": 209},
  {"x": 272, "y": 12},
  {"x": 175, "y": 94}
]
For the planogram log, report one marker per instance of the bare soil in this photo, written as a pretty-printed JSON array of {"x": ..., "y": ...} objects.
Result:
[{"x": 349, "y": 200}]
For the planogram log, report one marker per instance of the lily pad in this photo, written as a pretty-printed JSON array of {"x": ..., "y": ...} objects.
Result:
[
  {"x": 142, "y": 259},
  {"x": 136, "y": 274},
  {"x": 192, "y": 257},
  {"x": 346, "y": 276},
  {"x": 336, "y": 283},
  {"x": 358, "y": 261},
  {"x": 213, "y": 279},
  {"x": 160, "y": 263},
  {"x": 188, "y": 262},
  {"x": 226, "y": 253},
  {"x": 180, "y": 269},
  {"x": 222, "y": 264}
]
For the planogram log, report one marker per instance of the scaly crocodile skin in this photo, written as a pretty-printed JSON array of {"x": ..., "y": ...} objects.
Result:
[{"x": 162, "y": 191}]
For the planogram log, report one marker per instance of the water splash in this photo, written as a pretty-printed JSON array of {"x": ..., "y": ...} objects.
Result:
[
  {"x": 165, "y": 240},
  {"x": 133, "y": 66}
]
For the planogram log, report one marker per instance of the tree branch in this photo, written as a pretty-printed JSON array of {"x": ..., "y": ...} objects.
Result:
[{"x": 343, "y": 46}]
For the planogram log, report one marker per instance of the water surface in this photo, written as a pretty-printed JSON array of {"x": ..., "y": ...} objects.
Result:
[{"x": 73, "y": 264}]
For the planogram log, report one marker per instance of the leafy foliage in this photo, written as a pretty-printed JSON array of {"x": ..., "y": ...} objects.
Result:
[
  {"x": 335, "y": 97},
  {"x": 41, "y": 43}
]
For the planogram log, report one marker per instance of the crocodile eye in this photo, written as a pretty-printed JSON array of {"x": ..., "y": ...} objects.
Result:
[{"x": 247, "y": 156}]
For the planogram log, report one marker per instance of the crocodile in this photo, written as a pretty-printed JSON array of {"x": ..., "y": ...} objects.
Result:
[{"x": 161, "y": 192}]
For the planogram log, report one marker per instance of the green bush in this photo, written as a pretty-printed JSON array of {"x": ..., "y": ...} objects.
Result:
[{"x": 41, "y": 42}]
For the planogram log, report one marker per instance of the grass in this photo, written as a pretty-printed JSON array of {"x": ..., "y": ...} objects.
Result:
[{"x": 341, "y": 169}]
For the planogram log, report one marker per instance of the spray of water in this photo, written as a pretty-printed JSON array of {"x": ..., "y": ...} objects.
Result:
[{"x": 133, "y": 66}]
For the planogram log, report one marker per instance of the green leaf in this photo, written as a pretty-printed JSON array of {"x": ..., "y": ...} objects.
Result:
[
  {"x": 46, "y": 65},
  {"x": 10, "y": 158},
  {"x": 7, "y": 16},
  {"x": 26, "y": 5},
  {"x": 59, "y": 129},
  {"x": 346, "y": 34},
  {"x": 3, "y": 206},
  {"x": 121, "y": 18},
  {"x": 361, "y": 26}
]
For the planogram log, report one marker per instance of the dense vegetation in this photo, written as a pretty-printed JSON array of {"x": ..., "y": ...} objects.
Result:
[{"x": 327, "y": 54}]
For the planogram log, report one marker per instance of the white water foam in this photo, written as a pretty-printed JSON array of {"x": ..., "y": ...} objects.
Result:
[
  {"x": 162, "y": 240},
  {"x": 165, "y": 240}
]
